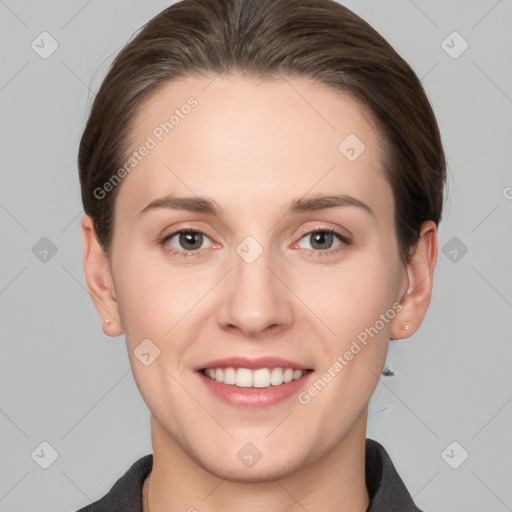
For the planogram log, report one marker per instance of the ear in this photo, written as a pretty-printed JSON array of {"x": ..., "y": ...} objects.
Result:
[
  {"x": 420, "y": 274},
  {"x": 99, "y": 279}
]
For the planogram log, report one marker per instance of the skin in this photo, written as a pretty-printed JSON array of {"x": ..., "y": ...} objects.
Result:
[{"x": 254, "y": 147}]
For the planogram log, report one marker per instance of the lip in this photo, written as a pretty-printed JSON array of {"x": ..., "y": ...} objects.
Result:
[
  {"x": 253, "y": 364},
  {"x": 255, "y": 398}
]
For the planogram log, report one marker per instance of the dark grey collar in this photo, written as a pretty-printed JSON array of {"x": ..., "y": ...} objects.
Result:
[{"x": 386, "y": 489}]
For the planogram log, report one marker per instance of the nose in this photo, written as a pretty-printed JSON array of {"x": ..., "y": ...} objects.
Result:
[{"x": 256, "y": 299}]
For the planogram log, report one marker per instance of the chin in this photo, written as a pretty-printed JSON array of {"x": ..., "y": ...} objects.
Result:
[{"x": 261, "y": 471}]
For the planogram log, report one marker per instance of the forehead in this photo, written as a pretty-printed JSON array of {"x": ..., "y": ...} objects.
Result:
[{"x": 246, "y": 141}]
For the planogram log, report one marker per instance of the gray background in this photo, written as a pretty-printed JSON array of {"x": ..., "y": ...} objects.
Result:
[{"x": 65, "y": 383}]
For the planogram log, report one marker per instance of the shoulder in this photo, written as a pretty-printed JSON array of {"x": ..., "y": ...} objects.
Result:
[
  {"x": 126, "y": 494},
  {"x": 386, "y": 489}
]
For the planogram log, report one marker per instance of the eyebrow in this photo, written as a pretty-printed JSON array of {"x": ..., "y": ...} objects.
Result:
[{"x": 210, "y": 207}]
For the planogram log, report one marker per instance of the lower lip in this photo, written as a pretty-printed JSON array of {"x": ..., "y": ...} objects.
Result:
[{"x": 254, "y": 397}]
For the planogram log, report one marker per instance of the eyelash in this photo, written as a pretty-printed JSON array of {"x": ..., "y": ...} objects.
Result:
[{"x": 196, "y": 253}]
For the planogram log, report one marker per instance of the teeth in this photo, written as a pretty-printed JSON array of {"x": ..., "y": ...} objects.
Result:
[
  {"x": 229, "y": 376},
  {"x": 260, "y": 378},
  {"x": 276, "y": 376},
  {"x": 243, "y": 378}
]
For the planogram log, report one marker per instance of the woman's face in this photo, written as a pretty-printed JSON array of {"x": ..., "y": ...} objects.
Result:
[{"x": 252, "y": 286}]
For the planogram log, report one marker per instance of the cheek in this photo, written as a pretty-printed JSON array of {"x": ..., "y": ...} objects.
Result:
[
  {"x": 154, "y": 301},
  {"x": 150, "y": 296},
  {"x": 348, "y": 298},
  {"x": 160, "y": 301},
  {"x": 356, "y": 303}
]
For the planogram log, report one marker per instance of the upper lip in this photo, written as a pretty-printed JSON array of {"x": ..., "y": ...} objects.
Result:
[{"x": 254, "y": 364}]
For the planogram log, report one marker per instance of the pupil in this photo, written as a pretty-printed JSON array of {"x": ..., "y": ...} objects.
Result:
[
  {"x": 321, "y": 237},
  {"x": 188, "y": 238}
]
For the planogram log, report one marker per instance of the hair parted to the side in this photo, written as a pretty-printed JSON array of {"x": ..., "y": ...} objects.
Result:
[{"x": 319, "y": 39}]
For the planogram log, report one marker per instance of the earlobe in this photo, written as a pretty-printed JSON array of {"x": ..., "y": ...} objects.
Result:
[
  {"x": 99, "y": 279},
  {"x": 420, "y": 273}
]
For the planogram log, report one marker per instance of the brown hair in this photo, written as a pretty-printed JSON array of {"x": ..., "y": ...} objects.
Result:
[{"x": 319, "y": 39}]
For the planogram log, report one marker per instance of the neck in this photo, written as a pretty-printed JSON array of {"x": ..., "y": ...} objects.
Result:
[{"x": 334, "y": 481}]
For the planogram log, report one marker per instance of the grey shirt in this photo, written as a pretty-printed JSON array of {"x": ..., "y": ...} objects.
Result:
[{"x": 386, "y": 489}]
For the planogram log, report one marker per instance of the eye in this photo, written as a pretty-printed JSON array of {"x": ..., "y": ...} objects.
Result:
[
  {"x": 321, "y": 241},
  {"x": 185, "y": 242}
]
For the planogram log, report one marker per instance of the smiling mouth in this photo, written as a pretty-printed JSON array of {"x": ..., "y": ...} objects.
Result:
[{"x": 258, "y": 378}]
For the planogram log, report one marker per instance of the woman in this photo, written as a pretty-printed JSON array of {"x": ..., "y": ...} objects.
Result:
[{"x": 262, "y": 182}]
